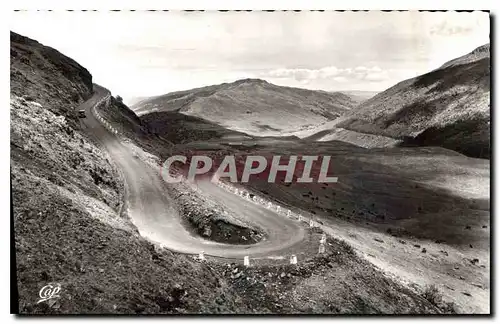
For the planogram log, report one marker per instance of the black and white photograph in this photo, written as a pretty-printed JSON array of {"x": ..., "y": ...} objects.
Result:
[{"x": 250, "y": 162}]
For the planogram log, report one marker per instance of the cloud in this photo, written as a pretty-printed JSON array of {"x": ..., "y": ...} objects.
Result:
[
  {"x": 340, "y": 79},
  {"x": 341, "y": 75},
  {"x": 449, "y": 29},
  {"x": 322, "y": 50},
  {"x": 306, "y": 74}
]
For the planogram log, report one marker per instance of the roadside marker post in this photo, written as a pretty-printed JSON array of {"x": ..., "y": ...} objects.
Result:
[
  {"x": 311, "y": 223},
  {"x": 321, "y": 249},
  {"x": 293, "y": 259},
  {"x": 288, "y": 213},
  {"x": 246, "y": 261},
  {"x": 201, "y": 256},
  {"x": 323, "y": 239}
]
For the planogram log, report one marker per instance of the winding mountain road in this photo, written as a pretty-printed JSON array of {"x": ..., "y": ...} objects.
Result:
[{"x": 152, "y": 210}]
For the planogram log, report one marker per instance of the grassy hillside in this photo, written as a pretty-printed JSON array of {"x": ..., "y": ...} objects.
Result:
[
  {"x": 448, "y": 107},
  {"x": 253, "y": 106}
]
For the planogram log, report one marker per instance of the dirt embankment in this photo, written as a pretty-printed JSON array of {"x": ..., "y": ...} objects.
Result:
[
  {"x": 210, "y": 220},
  {"x": 337, "y": 282}
]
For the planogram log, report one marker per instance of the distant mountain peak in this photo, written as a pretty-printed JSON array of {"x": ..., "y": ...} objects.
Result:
[{"x": 250, "y": 80}]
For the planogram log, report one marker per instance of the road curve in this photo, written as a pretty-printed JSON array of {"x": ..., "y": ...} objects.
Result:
[{"x": 152, "y": 210}]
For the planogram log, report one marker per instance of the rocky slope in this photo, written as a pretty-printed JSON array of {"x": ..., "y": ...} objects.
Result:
[
  {"x": 448, "y": 107},
  {"x": 252, "y": 106},
  {"x": 36, "y": 70}
]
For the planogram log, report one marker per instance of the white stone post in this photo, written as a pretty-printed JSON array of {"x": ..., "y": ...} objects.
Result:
[
  {"x": 246, "y": 261},
  {"x": 293, "y": 259},
  {"x": 201, "y": 256}
]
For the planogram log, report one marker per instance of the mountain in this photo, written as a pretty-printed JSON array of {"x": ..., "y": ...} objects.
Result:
[
  {"x": 448, "y": 107},
  {"x": 134, "y": 100},
  {"x": 253, "y": 106},
  {"x": 359, "y": 95}
]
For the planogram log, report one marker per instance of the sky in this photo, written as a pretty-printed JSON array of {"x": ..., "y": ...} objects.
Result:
[{"x": 136, "y": 54}]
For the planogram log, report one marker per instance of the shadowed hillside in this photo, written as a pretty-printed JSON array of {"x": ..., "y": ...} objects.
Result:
[{"x": 448, "y": 107}]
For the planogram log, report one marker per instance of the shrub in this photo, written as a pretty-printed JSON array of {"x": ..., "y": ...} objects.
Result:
[
  {"x": 347, "y": 247},
  {"x": 431, "y": 293}
]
